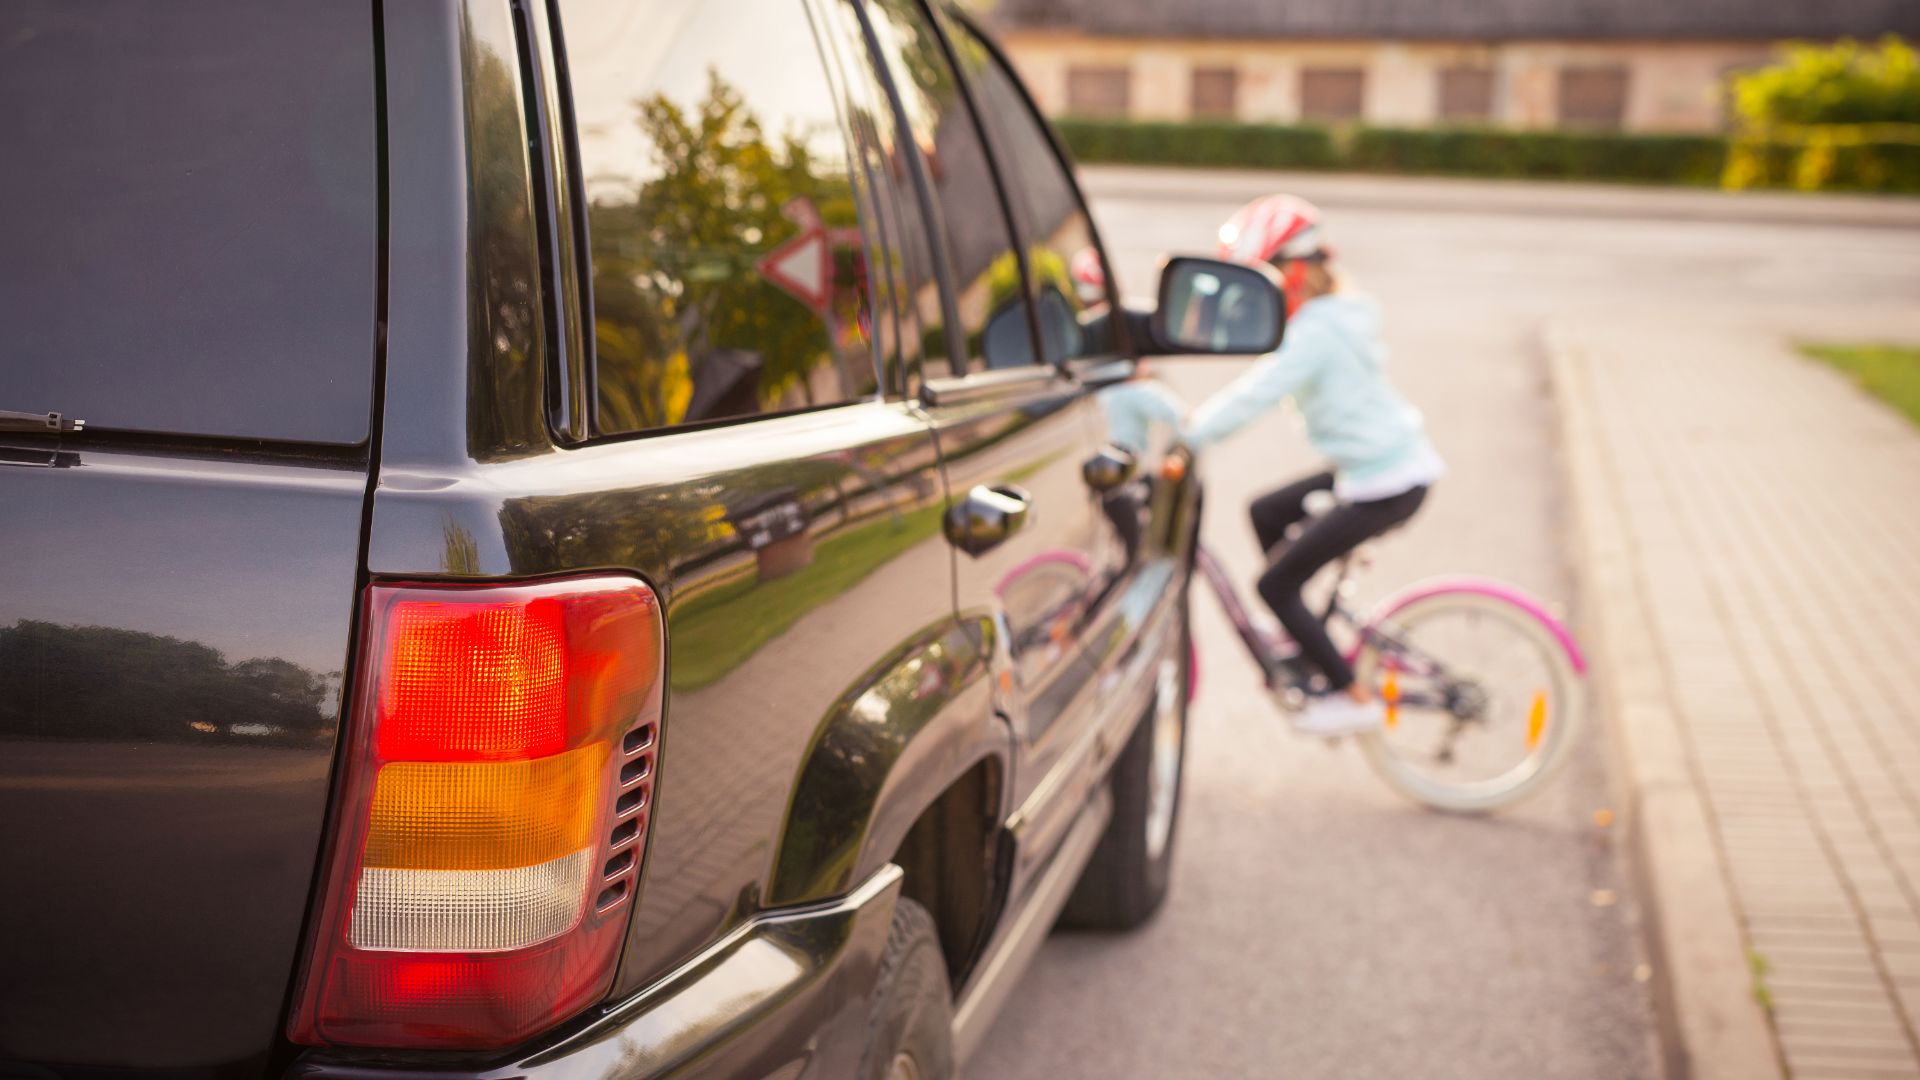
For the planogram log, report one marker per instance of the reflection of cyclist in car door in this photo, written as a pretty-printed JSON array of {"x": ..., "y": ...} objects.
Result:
[{"x": 1332, "y": 364}]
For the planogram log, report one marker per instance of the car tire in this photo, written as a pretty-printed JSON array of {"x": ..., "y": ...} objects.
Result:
[
  {"x": 910, "y": 1016},
  {"x": 1126, "y": 881}
]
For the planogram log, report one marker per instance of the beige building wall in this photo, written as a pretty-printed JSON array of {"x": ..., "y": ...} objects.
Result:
[{"x": 1671, "y": 86}]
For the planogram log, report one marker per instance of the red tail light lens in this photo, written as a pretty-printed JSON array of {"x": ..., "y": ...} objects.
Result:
[{"x": 497, "y": 786}]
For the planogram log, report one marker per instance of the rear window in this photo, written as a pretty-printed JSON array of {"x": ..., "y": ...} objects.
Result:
[{"x": 189, "y": 215}]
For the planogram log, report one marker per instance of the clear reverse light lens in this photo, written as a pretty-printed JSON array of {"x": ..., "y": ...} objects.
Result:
[{"x": 468, "y": 910}]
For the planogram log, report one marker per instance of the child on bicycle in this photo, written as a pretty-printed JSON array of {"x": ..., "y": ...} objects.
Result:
[{"x": 1332, "y": 365}]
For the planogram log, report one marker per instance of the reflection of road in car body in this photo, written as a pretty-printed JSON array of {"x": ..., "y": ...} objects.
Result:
[
  {"x": 1044, "y": 600},
  {"x": 774, "y": 526}
]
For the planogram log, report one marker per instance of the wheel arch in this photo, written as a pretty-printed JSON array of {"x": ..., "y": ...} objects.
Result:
[{"x": 914, "y": 734}]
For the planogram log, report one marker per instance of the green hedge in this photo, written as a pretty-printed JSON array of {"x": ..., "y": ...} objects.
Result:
[
  {"x": 1667, "y": 159},
  {"x": 1828, "y": 157},
  {"x": 1882, "y": 163},
  {"x": 1265, "y": 146}
]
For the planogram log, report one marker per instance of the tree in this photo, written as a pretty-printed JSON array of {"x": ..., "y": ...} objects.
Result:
[
  {"x": 1844, "y": 116},
  {"x": 1843, "y": 83}
]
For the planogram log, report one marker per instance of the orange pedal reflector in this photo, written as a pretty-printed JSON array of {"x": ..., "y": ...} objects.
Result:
[
  {"x": 1390, "y": 692},
  {"x": 1536, "y": 719}
]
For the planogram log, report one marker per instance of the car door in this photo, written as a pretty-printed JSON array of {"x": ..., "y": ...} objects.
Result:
[
  {"x": 1014, "y": 425},
  {"x": 753, "y": 455}
]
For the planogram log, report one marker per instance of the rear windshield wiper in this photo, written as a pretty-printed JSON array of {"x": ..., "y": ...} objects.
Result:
[{"x": 42, "y": 422}]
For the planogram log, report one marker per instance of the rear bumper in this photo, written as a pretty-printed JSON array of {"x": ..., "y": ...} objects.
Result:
[{"x": 784, "y": 996}]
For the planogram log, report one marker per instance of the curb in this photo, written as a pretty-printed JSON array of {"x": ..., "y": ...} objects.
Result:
[{"x": 1711, "y": 1026}]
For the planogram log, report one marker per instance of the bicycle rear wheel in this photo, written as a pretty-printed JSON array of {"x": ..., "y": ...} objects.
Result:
[{"x": 1483, "y": 694}]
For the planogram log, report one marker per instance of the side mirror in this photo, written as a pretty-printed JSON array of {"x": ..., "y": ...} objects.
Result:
[{"x": 1219, "y": 308}]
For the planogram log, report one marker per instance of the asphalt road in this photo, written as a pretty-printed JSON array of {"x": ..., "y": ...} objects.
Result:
[{"x": 1318, "y": 926}]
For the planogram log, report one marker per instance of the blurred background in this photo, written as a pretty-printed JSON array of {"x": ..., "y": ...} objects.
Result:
[
  {"x": 1800, "y": 93},
  {"x": 1652, "y": 271}
]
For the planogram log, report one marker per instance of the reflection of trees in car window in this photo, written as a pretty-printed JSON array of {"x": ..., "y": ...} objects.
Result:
[{"x": 713, "y": 184}]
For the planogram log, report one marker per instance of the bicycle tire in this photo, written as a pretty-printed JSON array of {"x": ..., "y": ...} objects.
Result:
[{"x": 1559, "y": 659}]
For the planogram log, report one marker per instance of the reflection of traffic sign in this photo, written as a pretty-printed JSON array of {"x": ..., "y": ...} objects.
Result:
[{"x": 803, "y": 266}]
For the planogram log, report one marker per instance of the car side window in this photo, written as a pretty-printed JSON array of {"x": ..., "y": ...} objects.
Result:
[
  {"x": 1069, "y": 272},
  {"x": 730, "y": 273},
  {"x": 978, "y": 241}
]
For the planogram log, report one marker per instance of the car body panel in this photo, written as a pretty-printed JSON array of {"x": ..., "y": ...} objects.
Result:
[
  {"x": 1036, "y": 588},
  {"x": 768, "y": 633},
  {"x": 194, "y": 195},
  {"x": 171, "y": 653},
  {"x": 904, "y": 733}
]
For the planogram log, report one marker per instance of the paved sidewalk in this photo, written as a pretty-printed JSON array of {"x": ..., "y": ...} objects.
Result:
[{"x": 1747, "y": 527}]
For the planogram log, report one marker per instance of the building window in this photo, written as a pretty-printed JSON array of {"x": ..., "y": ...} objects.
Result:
[
  {"x": 1593, "y": 97},
  {"x": 1466, "y": 94},
  {"x": 1098, "y": 91},
  {"x": 1216, "y": 93},
  {"x": 1332, "y": 95}
]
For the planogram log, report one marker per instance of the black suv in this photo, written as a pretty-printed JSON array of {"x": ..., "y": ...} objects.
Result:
[{"x": 564, "y": 537}]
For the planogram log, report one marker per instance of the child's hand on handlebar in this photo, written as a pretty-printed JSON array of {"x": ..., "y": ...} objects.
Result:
[{"x": 1177, "y": 463}]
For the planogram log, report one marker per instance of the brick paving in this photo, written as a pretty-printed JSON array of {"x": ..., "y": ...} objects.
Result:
[{"x": 1764, "y": 525}]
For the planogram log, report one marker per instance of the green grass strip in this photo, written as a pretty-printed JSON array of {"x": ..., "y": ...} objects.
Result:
[{"x": 1888, "y": 372}]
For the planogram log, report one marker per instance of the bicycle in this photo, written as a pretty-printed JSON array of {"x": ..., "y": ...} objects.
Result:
[{"x": 1443, "y": 701}]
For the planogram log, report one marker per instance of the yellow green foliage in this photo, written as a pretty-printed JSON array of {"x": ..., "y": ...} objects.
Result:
[{"x": 1843, "y": 83}]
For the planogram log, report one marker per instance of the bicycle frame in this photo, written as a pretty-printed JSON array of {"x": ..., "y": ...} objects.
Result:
[
  {"x": 1461, "y": 700},
  {"x": 1265, "y": 652}
]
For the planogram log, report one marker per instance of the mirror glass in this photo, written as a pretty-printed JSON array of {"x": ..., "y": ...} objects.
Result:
[{"x": 1210, "y": 306}]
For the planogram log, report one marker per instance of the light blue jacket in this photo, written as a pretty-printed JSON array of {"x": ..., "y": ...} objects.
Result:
[
  {"x": 1133, "y": 407},
  {"x": 1333, "y": 364}
]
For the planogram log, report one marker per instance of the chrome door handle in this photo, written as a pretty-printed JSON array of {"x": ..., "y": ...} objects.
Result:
[
  {"x": 987, "y": 517},
  {"x": 1109, "y": 468}
]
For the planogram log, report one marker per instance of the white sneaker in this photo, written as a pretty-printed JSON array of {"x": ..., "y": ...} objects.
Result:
[{"x": 1338, "y": 714}]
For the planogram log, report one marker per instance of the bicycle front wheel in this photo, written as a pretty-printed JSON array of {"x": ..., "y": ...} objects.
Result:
[{"x": 1483, "y": 694}]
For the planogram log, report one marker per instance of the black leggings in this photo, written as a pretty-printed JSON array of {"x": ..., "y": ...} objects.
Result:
[{"x": 1345, "y": 528}]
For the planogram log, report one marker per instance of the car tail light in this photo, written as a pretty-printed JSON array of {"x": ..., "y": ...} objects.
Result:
[{"x": 497, "y": 782}]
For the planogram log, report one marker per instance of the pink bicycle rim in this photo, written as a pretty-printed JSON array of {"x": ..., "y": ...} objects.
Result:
[{"x": 1481, "y": 587}]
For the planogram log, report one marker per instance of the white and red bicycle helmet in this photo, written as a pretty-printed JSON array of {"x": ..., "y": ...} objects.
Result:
[
  {"x": 1089, "y": 276},
  {"x": 1282, "y": 230}
]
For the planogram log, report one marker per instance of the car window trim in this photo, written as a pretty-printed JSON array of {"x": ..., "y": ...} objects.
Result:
[
  {"x": 980, "y": 385},
  {"x": 848, "y": 20},
  {"x": 868, "y": 216},
  {"x": 584, "y": 368},
  {"x": 566, "y": 391},
  {"x": 931, "y": 214}
]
